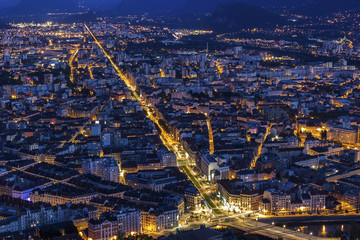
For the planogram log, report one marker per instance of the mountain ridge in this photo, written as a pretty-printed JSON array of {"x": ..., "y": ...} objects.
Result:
[
  {"x": 305, "y": 7},
  {"x": 46, "y": 6},
  {"x": 172, "y": 7},
  {"x": 236, "y": 16}
]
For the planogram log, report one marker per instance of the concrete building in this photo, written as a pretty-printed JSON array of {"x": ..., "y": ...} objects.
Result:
[
  {"x": 161, "y": 218},
  {"x": 235, "y": 195},
  {"x": 278, "y": 200},
  {"x": 61, "y": 194},
  {"x": 24, "y": 215},
  {"x": 106, "y": 168},
  {"x": 211, "y": 168},
  {"x": 167, "y": 159},
  {"x": 103, "y": 229},
  {"x": 155, "y": 179},
  {"x": 125, "y": 220}
]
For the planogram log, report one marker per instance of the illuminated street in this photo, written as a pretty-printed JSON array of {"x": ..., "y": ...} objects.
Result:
[{"x": 171, "y": 120}]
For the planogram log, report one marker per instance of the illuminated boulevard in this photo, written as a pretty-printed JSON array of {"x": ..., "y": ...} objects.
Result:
[
  {"x": 71, "y": 63},
  {"x": 167, "y": 139},
  {"x": 238, "y": 221}
]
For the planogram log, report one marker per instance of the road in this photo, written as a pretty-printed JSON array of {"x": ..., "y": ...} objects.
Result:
[
  {"x": 351, "y": 91},
  {"x": 72, "y": 139},
  {"x": 167, "y": 138},
  {"x": 71, "y": 63},
  {"x": 210, "y": 203},
  {"x": 258, "y": 153},
  {"x": 252, "y": 225},
  {"x": 26, "y": 118},
  {"x": 268, "y": 230},
  {"x": 211, "y": 136},
  {"x": 171, "y": 143}
]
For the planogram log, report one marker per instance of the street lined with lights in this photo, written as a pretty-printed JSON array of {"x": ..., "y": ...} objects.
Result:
[{"x": 171, "y": 143}]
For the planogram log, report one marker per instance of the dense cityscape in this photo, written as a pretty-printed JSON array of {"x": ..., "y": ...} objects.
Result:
[{"x": 144, "y": 126}]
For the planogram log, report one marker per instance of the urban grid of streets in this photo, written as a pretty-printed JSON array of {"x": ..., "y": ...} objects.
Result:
[
  {"x": 172, "y": 129},
  {"x": 237, "y": 221}
]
